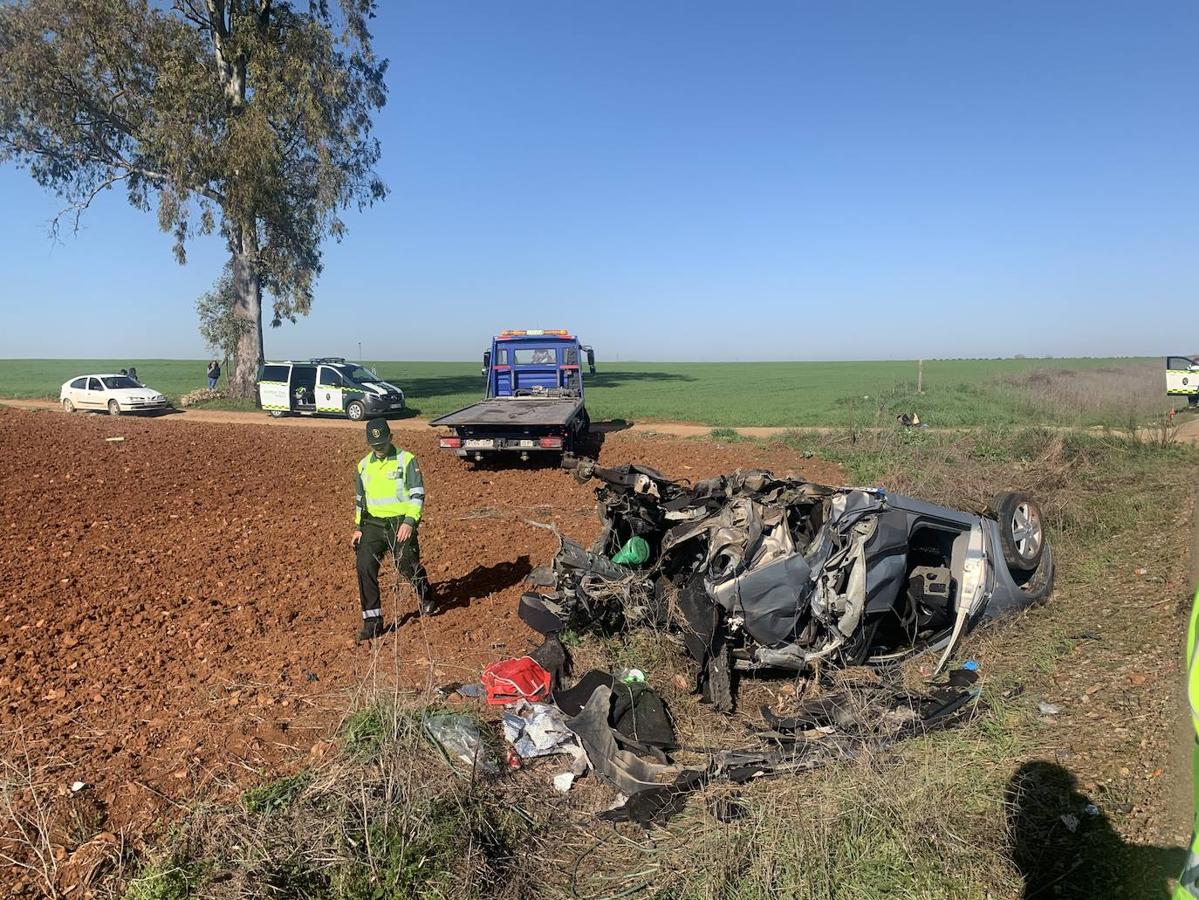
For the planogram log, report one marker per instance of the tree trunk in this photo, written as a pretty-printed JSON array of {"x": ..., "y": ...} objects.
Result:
[{"x": 247, "y": 307}]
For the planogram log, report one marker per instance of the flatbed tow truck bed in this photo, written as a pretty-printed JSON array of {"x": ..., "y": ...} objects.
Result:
[{"x": 513, "y": 412}]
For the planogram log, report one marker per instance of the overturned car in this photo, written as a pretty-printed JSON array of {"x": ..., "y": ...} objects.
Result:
[{"x": 756, "y": 572}]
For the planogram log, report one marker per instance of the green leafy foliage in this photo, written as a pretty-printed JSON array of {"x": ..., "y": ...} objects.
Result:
[{"x": 244, "y": 116}]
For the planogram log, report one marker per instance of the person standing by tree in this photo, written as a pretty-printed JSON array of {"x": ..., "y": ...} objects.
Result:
[
  {"x": 247, "y": 118},
  {"x": 214, "y": 374}
]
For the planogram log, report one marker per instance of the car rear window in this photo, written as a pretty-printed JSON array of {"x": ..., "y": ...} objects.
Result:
[
  {"x": 274, "y": 373},
  {"x": 80, "y": 384}
]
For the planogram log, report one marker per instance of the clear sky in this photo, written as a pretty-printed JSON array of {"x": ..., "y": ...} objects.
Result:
[{"x": 683, "y": 180}]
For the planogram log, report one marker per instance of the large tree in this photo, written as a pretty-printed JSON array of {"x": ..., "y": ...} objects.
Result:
[{"x": 248, "y": 116}]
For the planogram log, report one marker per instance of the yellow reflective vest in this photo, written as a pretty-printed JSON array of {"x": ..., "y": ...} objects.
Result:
[
  {"x": 1188, "y": 882},
  {"x": 390, "y": 488}
]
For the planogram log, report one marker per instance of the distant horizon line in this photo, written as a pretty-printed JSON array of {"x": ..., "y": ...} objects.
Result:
[{"x": 601, "y": 360}]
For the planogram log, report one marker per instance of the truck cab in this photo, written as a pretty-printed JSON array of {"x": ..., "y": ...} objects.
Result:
[
  {"x": 533, "y": 401},
  {"x": 536, "y": 363},
  {"x": 1182, "y": 378}
]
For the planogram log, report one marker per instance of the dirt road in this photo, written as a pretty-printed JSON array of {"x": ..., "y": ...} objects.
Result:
[
  {"x": 224, "y": 416},
  {"x": 178, "y": 606},
  {"x": 1188, "y": 427}
]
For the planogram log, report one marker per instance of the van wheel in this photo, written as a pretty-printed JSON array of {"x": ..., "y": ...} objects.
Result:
[
  {"x": 114, "y": 408},
  {"x": 68, "y": 405},
  {"x": 355, "y": 410},
  {"x": 277, "y": 413}
]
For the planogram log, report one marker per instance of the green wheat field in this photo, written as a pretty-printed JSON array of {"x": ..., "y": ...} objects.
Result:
[{"x": 1084, "y": 391}]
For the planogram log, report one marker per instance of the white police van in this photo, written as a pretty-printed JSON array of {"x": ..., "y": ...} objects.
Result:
[
  {"x": 1182, "y": 378},
  {"x": 329, "y": 386}
]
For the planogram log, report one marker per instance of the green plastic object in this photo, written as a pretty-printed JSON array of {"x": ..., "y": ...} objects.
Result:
[{"x": 634, "y": 553}]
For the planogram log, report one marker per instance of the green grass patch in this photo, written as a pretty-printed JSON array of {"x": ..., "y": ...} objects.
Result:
[
  {"x": 165, "y": 880},
  {"x": 275, "y": 795},
  {"x": 783, "y": 394}
]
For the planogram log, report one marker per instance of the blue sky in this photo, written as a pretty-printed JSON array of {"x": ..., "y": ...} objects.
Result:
[{"x": 692, "y": 181}]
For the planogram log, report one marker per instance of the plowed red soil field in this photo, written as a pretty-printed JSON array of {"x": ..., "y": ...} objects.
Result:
[{"x": 177, "y": 607}]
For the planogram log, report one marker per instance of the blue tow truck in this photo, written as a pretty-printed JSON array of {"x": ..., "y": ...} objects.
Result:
[{"x": 534, "y": 399}]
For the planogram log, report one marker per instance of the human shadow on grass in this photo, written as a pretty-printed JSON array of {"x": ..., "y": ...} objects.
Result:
[{"x": 1064, "y": 845}]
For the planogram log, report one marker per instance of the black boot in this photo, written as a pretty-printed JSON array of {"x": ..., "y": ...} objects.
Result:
[
  {"x": 427, "y": 605},
  {"x": 371, "y": 628}
]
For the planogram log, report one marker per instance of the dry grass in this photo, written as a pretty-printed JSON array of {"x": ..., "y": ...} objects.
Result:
[{"x": 1129, "y": 396}]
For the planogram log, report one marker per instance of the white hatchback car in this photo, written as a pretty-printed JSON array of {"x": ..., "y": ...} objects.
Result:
[{"x": 114, "y": 394}]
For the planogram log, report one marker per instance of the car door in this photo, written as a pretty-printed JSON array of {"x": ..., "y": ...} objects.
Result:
[
  {"x": 329, "y": 386},
  {"x": 94, "y": 395},
  {"x": 75, "y": 391},
  {"x": 1182, "y": 376},
  {"x": 272, "y": 387}
]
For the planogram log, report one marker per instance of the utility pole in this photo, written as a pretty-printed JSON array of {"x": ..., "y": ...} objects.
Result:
[
  {"x": 360, "y": 351},
  {"x": 920, "y": 377}
]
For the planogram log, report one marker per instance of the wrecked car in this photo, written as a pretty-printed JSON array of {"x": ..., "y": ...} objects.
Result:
[{"x": 755, "y": 572}]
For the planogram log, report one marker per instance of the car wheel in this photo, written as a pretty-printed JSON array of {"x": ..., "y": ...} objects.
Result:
[
  {"x": 277, "y": 413},
  {"x": 1039, "y": 584},
  {"x": 355, "y": 410},
  {"x": 68, "y": 405},
  {"x": 1021, "y": 530},
  {"x": 114, "y": 408}
]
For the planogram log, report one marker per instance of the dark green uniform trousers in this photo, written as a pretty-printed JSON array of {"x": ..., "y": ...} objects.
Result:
[{"x": 378, "y": 538}]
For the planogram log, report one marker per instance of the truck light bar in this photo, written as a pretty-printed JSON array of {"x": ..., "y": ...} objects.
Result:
[
  {"x": 533, "y": 332},
  {"x": 449, "y": 443}
]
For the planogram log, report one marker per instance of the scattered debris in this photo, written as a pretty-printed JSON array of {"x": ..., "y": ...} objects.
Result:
[
  {"x": 535, "y": 729},
  {"x": 510, "y": 680},
  {"x": 756, "y": 572},
  {"x": 1048, "y": 709},
  {"x": 115, "y": 440},
  {"x": 458, "y": 736}
]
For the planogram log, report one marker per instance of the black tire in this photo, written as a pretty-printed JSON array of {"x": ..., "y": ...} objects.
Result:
[
  {"x": 1039, "y": 584},
  {"x": 114, "y": 408},
  {"x": 1021, "y": 530},
  {"x": 68, "y": 405},
  {"x": 277, "y": 413},
  {"x": 355, "y": 411}
]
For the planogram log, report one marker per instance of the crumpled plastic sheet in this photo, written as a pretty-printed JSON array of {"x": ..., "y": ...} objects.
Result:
[
  {"x": 538, "y": 729},
  {"x": 458, "y": 735},
  {"x": 535, "y": 729}
]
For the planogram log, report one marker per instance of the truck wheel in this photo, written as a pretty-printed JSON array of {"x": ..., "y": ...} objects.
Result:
[
  {"x": 114, "y": 408},
  {"x": 1021, "y": 530},
  {"x": 355, "y": 411}
]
